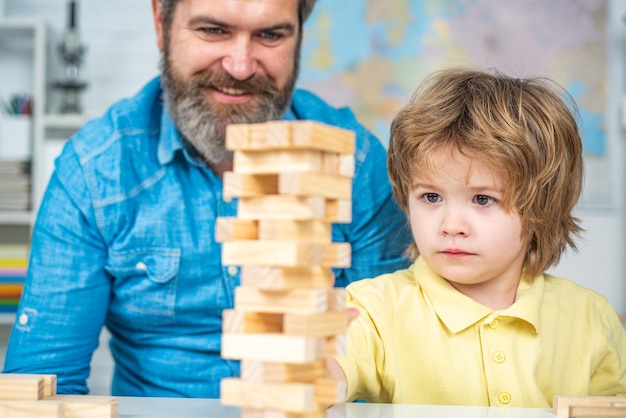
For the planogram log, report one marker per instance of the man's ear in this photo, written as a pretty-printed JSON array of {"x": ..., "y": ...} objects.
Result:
[{"x": 157, "y": 14}]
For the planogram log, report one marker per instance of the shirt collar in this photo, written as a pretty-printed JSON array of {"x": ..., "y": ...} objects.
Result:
[
  {"x": 459, "y": 312},
  {"x": 170, "y": 140}
]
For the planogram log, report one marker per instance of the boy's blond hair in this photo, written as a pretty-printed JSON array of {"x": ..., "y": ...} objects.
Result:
[{"x": 520, "y": 128}]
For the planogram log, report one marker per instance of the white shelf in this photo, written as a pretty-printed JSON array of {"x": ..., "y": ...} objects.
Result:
[
  {"x": 10, "y": 217},
  {"x": 7, "y": 318},
  {"x": 69, "y": 121}
]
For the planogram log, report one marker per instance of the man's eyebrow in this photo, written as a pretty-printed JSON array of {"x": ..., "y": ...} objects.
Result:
[{"x": 206, "y": 20}]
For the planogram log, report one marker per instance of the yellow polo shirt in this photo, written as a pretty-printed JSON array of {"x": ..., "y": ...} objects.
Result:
[{"x": 418, "y": 340}]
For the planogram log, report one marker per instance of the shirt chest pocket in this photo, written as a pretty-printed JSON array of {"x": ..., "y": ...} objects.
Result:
[{"x": 144, "y": 284}]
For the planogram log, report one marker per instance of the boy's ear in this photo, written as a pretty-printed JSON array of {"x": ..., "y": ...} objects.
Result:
[{"x": 157, "y": 14}]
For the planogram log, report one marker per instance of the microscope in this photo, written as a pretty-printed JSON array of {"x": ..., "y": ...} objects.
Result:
[{"x": 71, "y": 51}]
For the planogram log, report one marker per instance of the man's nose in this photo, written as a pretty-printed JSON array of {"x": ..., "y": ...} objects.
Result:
[{"x": 239, "y": 60}]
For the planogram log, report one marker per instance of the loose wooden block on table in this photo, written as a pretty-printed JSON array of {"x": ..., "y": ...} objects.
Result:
[
  {"x": 31, "y": 409},
  {"x": 561, "y": 404},
  {"x": 596, "y": 411},
  {"x": 87, "y": 406},
  {"x": 21, "y": 386}
]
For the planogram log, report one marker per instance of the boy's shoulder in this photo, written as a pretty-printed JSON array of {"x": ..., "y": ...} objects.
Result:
[
  {"x": 571, "y": 296},
  {"x": 385, "y": 283}
]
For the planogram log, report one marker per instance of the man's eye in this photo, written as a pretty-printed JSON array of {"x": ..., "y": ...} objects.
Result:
[
  {"x": 270, "y": 36},
  {"x": 213, "y": 31}
]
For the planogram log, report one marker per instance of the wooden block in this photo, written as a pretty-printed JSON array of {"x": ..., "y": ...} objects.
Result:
[
  {"x": 21, "y": 386},
  {"x": 235, "y": 321},
  {"x": 88, "y": 406},
  {"x": 284, "y": 207},
  {"x": 287, "y": 135},
  {"x": 338, "y": 164},
  {"x": 260, "y": 371},
  {"x": 330, "y": 391},
  {"x": 249, "y": 185},
  {"x": 31, "y": 409},
  {"x": 303, "y": 301},
  {"x": 286, "y": 278},
  {"x": 561, "y": 404},
  {"x": 337, "y": 255},
  {"x": 259, "y": 136},
  {"x": 293, "y": 161},
  {"x": 271, "y": 135},
  {"x": 273, "y": 253},
  {"x": 337, "y": 300},
  {"x": 316, "y": 325},
  {"x": 596, "y": 411},
  {"x": 266, "y": 413},
  {"x": 338, "y": 211},
  {"x": 273, "y": 348},
  {"x": 237, "y": 136},
  {"x": 336, "y": 346},
  {"x": 279, "y": 161},
  {"x": 301, "y": 230},
  {"x": 49, "y": 384},
  {"x": 292, "y": 397},
  {"x": 315, "y": 135},
  {"x": 231, "y": 228},
  {"x": 313, "y": 184}
]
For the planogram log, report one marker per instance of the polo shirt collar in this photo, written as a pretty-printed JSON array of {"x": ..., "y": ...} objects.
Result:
[{"x": 458, "y": 312}]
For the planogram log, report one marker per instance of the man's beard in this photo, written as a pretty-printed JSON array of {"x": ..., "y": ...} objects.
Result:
[{"x": 202, "y": 120}]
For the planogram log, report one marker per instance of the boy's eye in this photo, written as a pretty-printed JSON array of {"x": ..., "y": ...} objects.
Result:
[
  {"x": 432, "y": 197},
  {"x": 483, "y": 200}
]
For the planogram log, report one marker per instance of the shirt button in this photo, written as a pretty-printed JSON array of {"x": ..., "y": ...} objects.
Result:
[
  {"x": 141, "y": 266},
  {"x": 23, "y": 319},
  {"x": 499, "y": 357},
  {"x": 233, "y": 270},
  {"x": 494, "y": 324},
  {"x": 504, "y": 398}
]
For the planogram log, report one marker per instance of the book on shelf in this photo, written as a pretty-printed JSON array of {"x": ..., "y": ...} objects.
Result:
[{"x": 13, "y": 267}]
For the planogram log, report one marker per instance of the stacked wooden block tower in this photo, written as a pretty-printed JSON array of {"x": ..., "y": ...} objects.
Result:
[
  {"x": 34, "y": 396},
  {"x": 590, "y": 406},
  {"x": 293, "y": 180}
]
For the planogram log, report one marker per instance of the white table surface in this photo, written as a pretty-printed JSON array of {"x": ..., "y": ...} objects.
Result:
[{"x": 130, "y": 407}]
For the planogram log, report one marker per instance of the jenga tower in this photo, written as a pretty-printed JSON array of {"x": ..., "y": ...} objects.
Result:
[{"x": 293, "y": 180}]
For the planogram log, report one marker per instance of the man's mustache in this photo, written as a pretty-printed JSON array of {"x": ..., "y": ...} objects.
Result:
[{"x": 255, "y": 84}]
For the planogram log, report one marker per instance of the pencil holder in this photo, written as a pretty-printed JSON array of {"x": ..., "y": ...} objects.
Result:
[{"x": 15, "y": 137}]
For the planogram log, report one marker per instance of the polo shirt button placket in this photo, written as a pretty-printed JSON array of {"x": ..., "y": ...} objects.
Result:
[{"x": 504, "y": 398}]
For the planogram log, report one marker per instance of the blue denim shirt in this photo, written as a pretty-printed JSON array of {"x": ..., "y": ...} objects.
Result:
[{"x": 124, "y": 238}]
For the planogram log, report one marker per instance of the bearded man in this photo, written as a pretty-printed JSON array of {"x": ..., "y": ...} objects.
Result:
[{"x": 125, "y": 234}]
